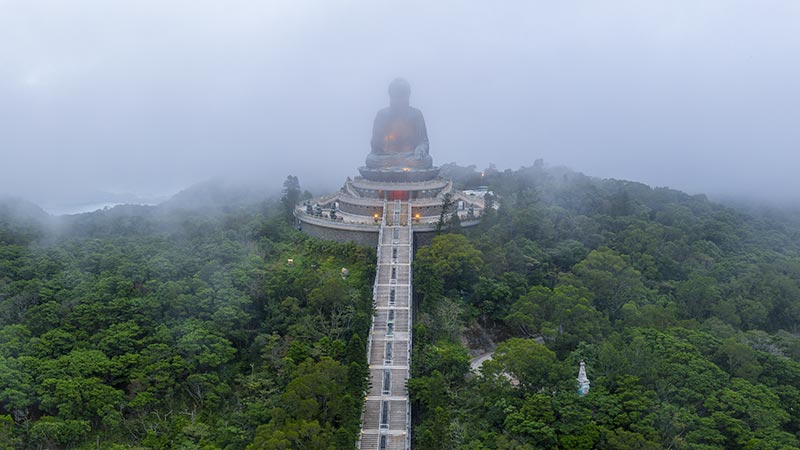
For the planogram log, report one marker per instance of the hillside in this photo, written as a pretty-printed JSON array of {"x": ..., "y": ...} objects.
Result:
[
  {"x": 185, "y": 326},
  {"x": 172, "y": 327},
  {"x": 685, "y": 312}
]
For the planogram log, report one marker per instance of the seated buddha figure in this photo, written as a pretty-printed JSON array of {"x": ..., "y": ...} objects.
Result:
[{"x": 399, "y": 136}]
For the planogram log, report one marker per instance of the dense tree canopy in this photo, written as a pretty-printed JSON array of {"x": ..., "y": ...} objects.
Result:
[
  {"x": 685, "y": 312},
  {"x": 180, "y": 326},
  {"x": 186, "y": 326}
]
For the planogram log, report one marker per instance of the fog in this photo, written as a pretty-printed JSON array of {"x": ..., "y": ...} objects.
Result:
[{"x": 149, "y": 96}]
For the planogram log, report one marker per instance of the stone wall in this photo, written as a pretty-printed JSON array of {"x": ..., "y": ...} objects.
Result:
[
  {"x": 361, "y": 210},
  {"x": 339, "y": 234},
  {"x": 423, "y": 238},
  {"x": 431, "y": 211}
]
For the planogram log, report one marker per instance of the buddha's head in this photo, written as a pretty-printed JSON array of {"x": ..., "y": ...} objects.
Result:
[{"x": 399, "y": 93}]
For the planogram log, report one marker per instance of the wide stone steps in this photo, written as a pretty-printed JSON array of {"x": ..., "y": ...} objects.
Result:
[
  {"x": 371, "y": 441},
  {"x": 397, "y": 354},
  {"x": 393, "y": 275},
  {"x": 392, "y": 383},
  {"x": 395, "y": 254},
  {"x": 386, "y": 298},
  {"x": 386, "y": 417},
  {"x": 387, "y": 258},
  {"x": 397, "y": 318},
  {"x": 391, "y": 238},
  {"x": 390, "y": 442},
  {"x": 372, "y": 415}
]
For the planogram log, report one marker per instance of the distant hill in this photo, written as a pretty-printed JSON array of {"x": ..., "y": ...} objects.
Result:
[
  {"x": 21, "y": 221},
  {"x": 217, "y": 195},
  {"x": 207, "y": 199}
]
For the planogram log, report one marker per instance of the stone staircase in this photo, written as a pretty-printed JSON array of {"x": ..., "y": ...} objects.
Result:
[{"x": 386, "y": 418}]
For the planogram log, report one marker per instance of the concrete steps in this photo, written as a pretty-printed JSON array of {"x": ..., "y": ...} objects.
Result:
[{"x": 386, "y": 417}]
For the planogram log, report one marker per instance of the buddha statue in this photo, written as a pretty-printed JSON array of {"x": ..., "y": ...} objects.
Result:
[{"x": 399, "y": 136}]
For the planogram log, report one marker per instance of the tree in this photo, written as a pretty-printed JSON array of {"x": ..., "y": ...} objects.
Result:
[
  {"x": 611, "y": 279},
  {"x": 318, "y": 390},
  {"x": 48, "y": 431},
  {"x": 697, "y": 296},
  {"x": 455, "y": 222},
  {"x": 493, "y": 296},
  {"x": 8, "y": 439},
  {"x": 449, "y": 264},
  {"x": 738, "y": 359},
  {"x": 202, "y": 349},
  {"x": 291, "y": 196},
  {"x": 447, "y": 204},
  {"x": 450, "y": 359},
  {"x": 532, "y": 365},
  {"x": 305, "y": 434},
  {"x": 533, "y": 422},
  {"x": 562, "y": 317}
]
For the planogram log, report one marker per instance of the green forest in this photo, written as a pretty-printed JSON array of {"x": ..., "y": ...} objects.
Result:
[
  {"x": 686, "y": 313},
  {"x": 210, "y": 322},
  {"x": 180, "y": 328}
]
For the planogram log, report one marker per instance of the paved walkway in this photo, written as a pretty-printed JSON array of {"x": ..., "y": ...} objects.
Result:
[
  {"x": 386, "y": 419},
  {"x": 476, "y": 362}
]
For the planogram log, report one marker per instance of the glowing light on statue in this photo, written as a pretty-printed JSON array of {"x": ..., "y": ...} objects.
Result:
[{"x": 399, "y": 136}]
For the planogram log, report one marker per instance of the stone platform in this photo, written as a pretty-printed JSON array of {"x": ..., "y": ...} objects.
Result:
[
  {"x": 399, "y": 175},
  {"x": 354, "y": 213}
]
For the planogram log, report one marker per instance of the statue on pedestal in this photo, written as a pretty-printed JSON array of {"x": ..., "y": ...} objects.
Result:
[{"x": 583, "y": 380}]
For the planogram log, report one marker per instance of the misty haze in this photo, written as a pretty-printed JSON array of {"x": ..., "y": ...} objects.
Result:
[
  {"x": 427, "y": 225},
  {"x": 147, "y": 98}
]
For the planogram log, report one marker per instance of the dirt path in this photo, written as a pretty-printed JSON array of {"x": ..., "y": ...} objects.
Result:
[{"x": 476, "y": 362}]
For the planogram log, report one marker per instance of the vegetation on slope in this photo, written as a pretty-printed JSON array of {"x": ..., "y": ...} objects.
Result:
[
  {"x": 687, "y": 314},
  {"x": 183, "y": 326},
  {"x": 180, "y": 327}
]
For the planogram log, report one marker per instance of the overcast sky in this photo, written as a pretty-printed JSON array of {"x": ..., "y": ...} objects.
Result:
[{"x": 149, "y": 96}]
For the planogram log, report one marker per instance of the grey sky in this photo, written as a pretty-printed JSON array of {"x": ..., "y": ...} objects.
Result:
[{"x": 149, "y": 96}]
